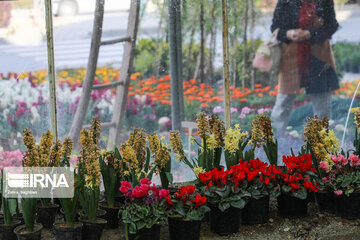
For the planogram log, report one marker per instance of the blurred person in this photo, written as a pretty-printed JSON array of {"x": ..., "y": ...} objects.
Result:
[{"x": 305, "y": 28}]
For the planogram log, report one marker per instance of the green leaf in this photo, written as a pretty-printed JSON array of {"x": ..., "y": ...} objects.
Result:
[
  {"x": 169, "y": 177},
  {"x": 301, "y": 193},
  {"x": 238, "y": 204},
  {"x": 223, "y": 206},
  {"x": 286, "y": 188}
]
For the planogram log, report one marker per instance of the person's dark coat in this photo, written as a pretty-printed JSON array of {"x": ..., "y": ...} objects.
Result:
[{"x": 322, "y": 77}]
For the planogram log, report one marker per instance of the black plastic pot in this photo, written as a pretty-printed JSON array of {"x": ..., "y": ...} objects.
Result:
[
  {"x": 256, "y": 211},
  {"x": 63, "y": 232},
  {"x": 348, "y": 207},
  {"x": 180, "y": 229},
  {"x": 22, "y": 234},
  {"x": 93, "y": 230},
  {"x": 112, "y": 214},
  {"x": 120, "y": 198},
  {"x": 46, "y": 215},
  {"x": 7, "y": 231},
  {"x": 100, "y": 213},
  {"x": 325, "y": 201},
  {"x": 291, "y": 207},
  {"x": 19, "y": 217},
  {"x": 225, "y": 223},
  {"x": 152, "y": 233}
]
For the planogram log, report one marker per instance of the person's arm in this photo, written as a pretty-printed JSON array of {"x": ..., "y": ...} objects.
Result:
[
  {"x": 279, "y": 21},
  {"x": 330, "y": 24}
]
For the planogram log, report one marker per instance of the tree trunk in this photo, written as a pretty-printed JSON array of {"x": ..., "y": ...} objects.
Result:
[
  {"x": 212, "y": 41},
  {"x": 191, "y": 43},
  {"x": 235, "y": 46}
]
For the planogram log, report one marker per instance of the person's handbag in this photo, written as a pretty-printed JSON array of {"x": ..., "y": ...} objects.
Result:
[{"x": 268, "y": 55}]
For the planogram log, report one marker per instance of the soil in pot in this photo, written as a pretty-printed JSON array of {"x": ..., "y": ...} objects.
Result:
[
  {"x": 325, "y": 201},
  {"x": 100, "y": 213},
  {"x": 152, "y": 233},
  {"x": 112, "y": 214},
  {"x": 348, "y": 207},
  {"x": 46, "y": 215},
  {"x": 180, "y": 229},
  {"x": 7, "y": 231},
  {"x": 291, "y": 207},
  {"x": 22, "y": 234},
  {"x": 256, "y": 211},
  {"x": 64, "y": 232},
  {"x": 225, "y": 223},
  {"x": 93, "y": 230}
]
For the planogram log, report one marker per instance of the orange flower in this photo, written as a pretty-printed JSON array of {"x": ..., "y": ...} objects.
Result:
[
  {"x": 258, "y": 85},
  {"x": 243, "y": 100},
  {"x": 260, "y": 95},
  {"x": 204, "y": 105}
]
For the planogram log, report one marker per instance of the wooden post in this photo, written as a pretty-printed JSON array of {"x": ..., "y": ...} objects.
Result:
[
  {"x": 81, "y": 110},
  {"x": 244, "y": 55},
  {"x": 226, "y": 65},
  {"x": 51, "y": 67},
  {"x": 202, "y": 43}
]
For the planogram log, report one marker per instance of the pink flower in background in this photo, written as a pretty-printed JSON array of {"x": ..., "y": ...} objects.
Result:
[
  {"x": 218, "y": 109},
  {"x": 335, "y": 159},
  {"x": 11, "y": 159},
  {"x": 354, "y": 160},
  {"x": 245, "y": 110},
  {"x": 343, "y": 160},
  {"x": 324, "y": 166},
  {"x": 338, "y": 192},
  {"x": 233, "y": 110},
  {"x": 263, "y": 110}
]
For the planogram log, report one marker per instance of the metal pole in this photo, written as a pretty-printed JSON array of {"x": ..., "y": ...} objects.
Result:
[
  {"x": 179, "y": 59},
  {"x": 51, "y": 66},
  {"x": 226, "y": 65}
]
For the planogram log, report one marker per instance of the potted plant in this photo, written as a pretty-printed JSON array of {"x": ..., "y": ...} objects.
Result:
[
  {"x": 110, "y": 171},
  {"x": 344, "y": 179},
  {"x": 71, "y": 229},
  {"x": 49, "y": 156},
  {"x": 296, "y": 180},
  {"x": 262, "y": 134},
  {"x": 260, "y": 185},
  {"x": 226, "y": 197},
  {"x": 89, "y": 176},
  {"x": 186, "y": 209},
  {"x": 7, "y": 222},
  {"x": 235, "y": 142},
  {"x": 145, "y": 210},
  {"x": 31, "y": 158},
  {"x": 160, "y": 153},
  {"x": 321, "y": 142}
]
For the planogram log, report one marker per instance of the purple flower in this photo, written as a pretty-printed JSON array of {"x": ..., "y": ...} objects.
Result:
[
  {"x": 245, "y": 110},
  {"x": 218, "y": 109},
  {"x": 233, "y": 110}
]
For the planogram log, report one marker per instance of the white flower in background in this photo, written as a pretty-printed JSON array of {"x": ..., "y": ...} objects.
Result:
[
  {"x": 294, "y": 134},
  {"x": 35, "y": 115},
  {"x": 339, "y": 128},
  {"x": 163, "y": 120},
  {"x": 19, "y": 135},
  {"x": 331, "y": 123},
  {"x": 288, "y": 128},
  {"x": 6, "y": 112}
]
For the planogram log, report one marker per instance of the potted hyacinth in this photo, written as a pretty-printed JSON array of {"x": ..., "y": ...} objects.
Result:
[
  {"x": 145, "y": 210},
  {"x": 262, "y": 134},
  {"x": 30, "y": 230},
  {"x": 321, "y": 142},
  {"x": 235, "y": 142},
  {"x": 226, "y": 196},
  {"x": 71, "y": 229},
  {"x": 110, "y": 171},
  {"x": 89, "y": 177},
  {"x": 49, "y": 156},
  {"x": 260, "y": 185},
  {"x": 186, "y": 209},
  {"x": 7, "y": 223},
  {"x": 296, "y": 181},
  {"x": 344, "y": 179}
]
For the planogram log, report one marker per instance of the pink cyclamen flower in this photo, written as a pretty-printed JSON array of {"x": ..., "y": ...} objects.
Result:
[
  {"x": 343, "y": 160},
  {"x": 324, "y": 166},
  {"x": 145, "y": 181},
  {"x": 354, "y": 160},
  {"x": 338, "y": 192}
]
